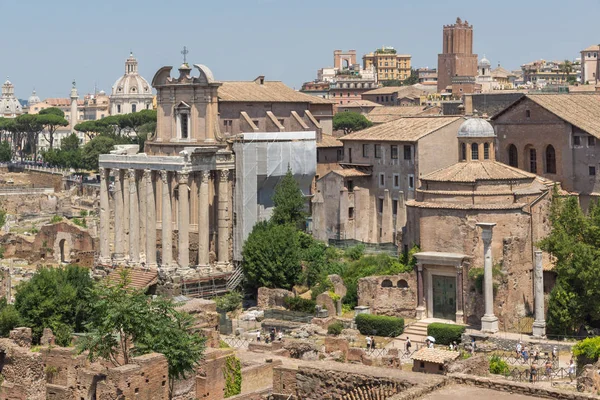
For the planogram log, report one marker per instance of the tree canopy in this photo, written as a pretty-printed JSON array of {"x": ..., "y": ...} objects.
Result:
[
  {"x": 289, "y": 202},
  {"x": 350, "y": 122},
  {"x": 51, "y": 118}
]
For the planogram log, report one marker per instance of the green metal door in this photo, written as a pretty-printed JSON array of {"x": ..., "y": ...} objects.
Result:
[{"x": 444, "y": 297}]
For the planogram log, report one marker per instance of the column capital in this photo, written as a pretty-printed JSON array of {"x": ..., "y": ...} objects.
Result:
[
  {"x": 164, "y": 175},
  {"x": 459, "y": 268},
  {"x": 419, "y": 266},
  {"x": 117, "y": 173},
  {"x": 131, "y": 174},
  {"x": 205, "y": 176},
  {"x": 147, "y": 174},
  {"x": 102, "y": 171},
  {"x": 223, "y": 175},
  {"x": 183, "y": 177}
]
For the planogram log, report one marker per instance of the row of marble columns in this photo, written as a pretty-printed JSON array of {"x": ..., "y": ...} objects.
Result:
[{"x": 135, "y": 210}]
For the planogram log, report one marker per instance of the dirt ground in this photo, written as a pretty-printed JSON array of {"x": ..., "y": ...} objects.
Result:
[{"x": 473, "y": 393}]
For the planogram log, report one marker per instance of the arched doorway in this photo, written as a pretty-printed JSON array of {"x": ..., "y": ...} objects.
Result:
[
  {"x": 64, "y": 251},
  {"x": 550, "y": 160}
]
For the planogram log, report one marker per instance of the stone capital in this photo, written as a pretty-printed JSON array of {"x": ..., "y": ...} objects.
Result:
[
  {"x": 131, "y": 174},
  {"x": 147, "y": 174},
  {"x": 183, "y": 177},
  {"x": 204, "y": 176},
  {"x": 164, "y": 176},
  {"x": 420, "y": 266},
  {"x": 117, "y": 173},
  {"x": 223, "y": 175},
  {"x": 102, "y": 171}
]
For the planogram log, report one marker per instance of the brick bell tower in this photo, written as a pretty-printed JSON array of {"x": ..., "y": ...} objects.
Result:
[{"x": 457, "y": 65}]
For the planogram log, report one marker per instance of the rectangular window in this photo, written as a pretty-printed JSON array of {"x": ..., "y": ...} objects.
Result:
[
  {"x": 592, "y": 170},
  {"x": 396, "y": 181},
  {"x": 350, "y": 185},
  {"x": 350, "y": 212},
  {"x": 411, "y": 182},
  {"x": 365, "y": 150},
  {"x": 340, "y": 155},
  {"x": 576, "y": 140},
  {"x": 380, "y": 205},
  {"x": 228, "y": 124},
  {"x": 381, "y": 179},
  {"x": 395, "y": 207},
  {"x": 184, "y": 126},
  {"x": 591, "y": 141},
  {"x": 377, "y": 151},
  {"x": 407, "y": 152},
  {"x": 527, "y": 113},
  {"x": 394, "y": 152}
]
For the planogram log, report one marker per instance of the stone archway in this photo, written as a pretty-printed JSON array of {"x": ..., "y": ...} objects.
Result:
[{"x": 63, "y": 243}]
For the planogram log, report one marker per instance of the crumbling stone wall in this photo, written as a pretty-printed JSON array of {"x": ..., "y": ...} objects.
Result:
[
  {"x": 210, "y": 382},
  {"x": 269, "y": 298},
  {"x": 23, "y": 373},
  {"x": 392, "y": 295},
  {"x": 325, "y": 301}
]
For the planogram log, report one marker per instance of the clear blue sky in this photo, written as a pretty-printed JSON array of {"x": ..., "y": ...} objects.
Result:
[{"x": 47, "y": 44}]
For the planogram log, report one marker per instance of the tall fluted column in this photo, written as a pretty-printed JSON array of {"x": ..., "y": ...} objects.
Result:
[
  {"x": 223, "y": 249},
  {"x": 126, "y": 215},
  {"x": 459, "y": 294},
  {"x": 134, "y": 219},
  {"x": 104, "y": 218},
  {"x": 539, "y": 325},
  {"x": 119, "y": 230},
  {"x": 489, "y": 322},
  {"x": 150, "y": 220},
  {"x": 167, "y": 225},
  {"x": 141, "y": 185},
  {"x": 203, "y": 221},
  {"x": 183, "y": 225},
  {"x": 420, "y": 292}
]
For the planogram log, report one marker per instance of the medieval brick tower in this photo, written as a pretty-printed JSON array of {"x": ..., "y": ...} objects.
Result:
[{"x": 457, "y": 65}]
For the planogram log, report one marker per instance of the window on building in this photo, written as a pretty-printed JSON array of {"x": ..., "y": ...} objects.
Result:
[
  {"x": 118, "y": 108},
  {"x": 591, "y": 141},
  {"x": 133, "y": 108},
  {"x": 474, "y": 151},
  {"x": 228, "y": 125},
  {"x": 527, "y": 113},
  {"x": 407, "y": 152},
  {"x": 513, "y": 156},
  {"x": 381, "y": 179},
  {"x": 463, "y": 152},
  {"x": 486, "y": 151},
  {"x": 550, "y": 160},
  {"x": 380, "y": 205},
  {"x": 395, "y": 207},
  {"x": 592, "y": 170},
  {"x": 365, "y": 150},
  {"x": 182, "y": 115},
  {"x": 340, "y": 155},
  {"x": 533, "y": 161},
  {"x": 394, "y": 152},
  {"x": 350, "y": 212},
  {"x": 576, "y": 140},
  {"x": 350, "y": 185},
  {"x": 396, "y": 181},
  {"x": 411, "y": 182},
  {"x": 377, "y": 151},
  {"x": 377, "y": 99}
]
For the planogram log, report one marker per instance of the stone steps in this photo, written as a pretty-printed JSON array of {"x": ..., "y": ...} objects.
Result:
[{"x": 417, "y": 331}]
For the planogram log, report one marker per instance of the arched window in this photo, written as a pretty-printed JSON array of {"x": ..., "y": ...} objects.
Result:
[
  {"x": 513, "y": 156},
  {"x": 463, "y": 152},
  {"x": 550, "y": 160},
  {"x": 474, "y": 151},
  {"x": 532, "y": 160},
  {"x": 387, "y": 283},
  {"x": 402, "y": 284},
  {"x": 486, "y": 151}
]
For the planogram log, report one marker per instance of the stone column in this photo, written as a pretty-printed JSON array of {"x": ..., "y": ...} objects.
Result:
[
  {"x": 183, "y": 225},
  {"x": 420, "y": 295},
  {"x": 126, "y": 215},
  {"x": 104, "y": 217},
  {"x": 203, "y": 221},
  {"x": 223, "y": 225},
  {"x": 167, "y": 225},
  {"x": 539, "y": 325},
  {"x": 134, "y": 219},
  {"x": 459, "y": 294},
  {"x": 489, "y": 322},
  {"x": 143, "y": 216},
  {"x": 119, "y": 228},
  {"x": 150, "y": 220}
]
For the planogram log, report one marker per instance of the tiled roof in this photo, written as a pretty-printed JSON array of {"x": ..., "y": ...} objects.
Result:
[
  {"x": 360, "y": 103},
  {"x": 382, "y": 115},
  {"x": 61, "y": 102},
  {"x": 580, "y": 110},
  {"x": 269, "y": 91},
  {"x": 459, "y": 206},
  {"x": 407, "y": 129},
  {"x": 403, "y": 91},
  {"x": 593, "y": 47},
  {"x": 329, "y": 141},
  {"x": 139, "y": 278},
  {"x": 473, "y": 171},
  {"x": 435, "y": 355},
  {"x": 350, "y": 172}
]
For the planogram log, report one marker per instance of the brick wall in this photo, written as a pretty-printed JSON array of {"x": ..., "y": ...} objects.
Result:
[
  {"x": 46, "y": 179},
  {"x": 210, "y": 383},
  {"x": 256, "y": 378}
]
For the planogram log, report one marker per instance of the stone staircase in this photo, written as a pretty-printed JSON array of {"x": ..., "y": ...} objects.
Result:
[{"x": 416, "y": 331}]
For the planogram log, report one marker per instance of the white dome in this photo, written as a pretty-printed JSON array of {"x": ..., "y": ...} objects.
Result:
[
  {"x": 484, "y": 63},
  {"x": 476, "y": 127},
  {"x": 9, "y": 105},
  {"x": 131, "y": 83},
  {"x": 33, "y": 99}
]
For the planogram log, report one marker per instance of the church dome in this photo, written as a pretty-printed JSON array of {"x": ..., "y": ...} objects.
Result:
[
  {"x": 131, "y": 83},
  {"x": 9, "y": 105},
  {"x": 484, "y": 63},
  {"x": 33, "y": 99},
  {"x": 476, "y": 127}
]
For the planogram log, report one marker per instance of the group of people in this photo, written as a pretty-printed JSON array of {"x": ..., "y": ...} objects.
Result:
[
  {"x": 271, "y": 337},
  {"x": 370, "y": 342},
  {"x": 524, "y": 353}
]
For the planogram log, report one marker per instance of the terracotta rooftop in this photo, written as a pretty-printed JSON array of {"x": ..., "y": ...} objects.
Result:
[
  {"x": 473, "y": 171},
  {"x": 459, "y": 206},
  {"x": 61, "y": 102},
  {"x": 580, "y": 110},
  {"x": 403, "y": 91},
  {"x": 408, "y": 129},
  {"x": 140, "y": 278},
  {"x": 382, "y": 115},
  {"x": 435, "y": 355},
  {"x": 360, "y": 103},
  {"x": 329, "y": 141},
  {"x": 594, "y": 47},
  {"x": 350, "y": 172},
  {"x": 269, "y": 91}
]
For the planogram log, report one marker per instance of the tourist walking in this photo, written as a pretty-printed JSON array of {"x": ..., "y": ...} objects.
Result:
[
  {"x": 548, "y": 368},
  {"x": 280, "y": 336},
  {"x": 258, "y": 336},
  {"x": 554, "y": 353},
  {"x": 534, "y": 371},
  {"x": 408, "y": 345},
  {"x": 373, "y": 343},
  {"x": 272, "y": 334},
  {"x": 571, "y": 369},
  {"x": 368, "y": 339},
  {"x": 519, "y": 350}
]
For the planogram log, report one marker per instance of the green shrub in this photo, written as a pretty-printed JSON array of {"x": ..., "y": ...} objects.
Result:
[
  {"x": 587, "y": 351},
  {"x": 232, "y": 372},
  {"x": 445, "y": 333},
  {"x": 55, "y": 219},
  {"x": 80, "y": 222},
  {"x": 335, "y": 329},
  {"x": 300, "y": 304},
  {"x": 498, "y": 366},
  {"x": 355, "y": 252},
  {"x": 229, "y": 302},
  {"x": 379, "y": 325}
]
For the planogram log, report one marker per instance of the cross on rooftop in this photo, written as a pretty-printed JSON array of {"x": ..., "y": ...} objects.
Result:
[{"x": 185, "y": 52}]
